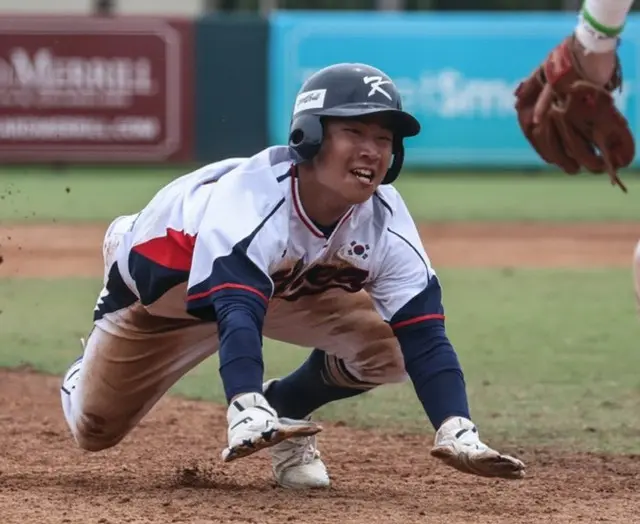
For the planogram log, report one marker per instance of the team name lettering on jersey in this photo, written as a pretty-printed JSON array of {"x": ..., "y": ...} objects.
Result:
[{"x": 295, "y": 281}]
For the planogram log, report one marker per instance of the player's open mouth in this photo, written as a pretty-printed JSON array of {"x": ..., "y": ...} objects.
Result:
[{"x": 364, "y": 175}]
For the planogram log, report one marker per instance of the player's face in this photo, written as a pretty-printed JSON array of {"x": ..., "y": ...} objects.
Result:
[{"x": 354, "y": 157}]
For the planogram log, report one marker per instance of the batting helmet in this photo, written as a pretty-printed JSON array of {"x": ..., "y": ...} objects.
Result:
[{"x": 349, "y": 91}]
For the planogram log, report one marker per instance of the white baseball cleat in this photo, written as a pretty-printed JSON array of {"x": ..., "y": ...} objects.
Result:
[
  {"x": 458, "y": 445},
  {"x": 69, "y": 382},
  {"x": 297, "y": 464},
  {"x": 254, "y": 425},
  {"x": 72, "y": 375}
]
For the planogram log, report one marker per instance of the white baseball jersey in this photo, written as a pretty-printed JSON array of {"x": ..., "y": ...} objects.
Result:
[{"x": 239, "y": 224}]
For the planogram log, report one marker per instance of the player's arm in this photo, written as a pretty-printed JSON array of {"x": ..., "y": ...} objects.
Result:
[
  {"x": 407, "y": 293},
  {"x": 230, "y": 284}
]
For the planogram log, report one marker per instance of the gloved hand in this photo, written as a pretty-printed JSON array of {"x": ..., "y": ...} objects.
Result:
[{"x": 578, "y": 125}]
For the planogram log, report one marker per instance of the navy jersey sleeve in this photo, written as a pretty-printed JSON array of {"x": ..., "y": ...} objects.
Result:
[
  {"x": 243, "y": 234},
  {"x": 408, "y": 294}
]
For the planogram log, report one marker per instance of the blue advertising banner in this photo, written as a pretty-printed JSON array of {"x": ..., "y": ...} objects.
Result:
[{"x": 457, "y": 73}]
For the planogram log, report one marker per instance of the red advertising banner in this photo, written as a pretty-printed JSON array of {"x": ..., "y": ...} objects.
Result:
[{"x": 95, "y": 89}]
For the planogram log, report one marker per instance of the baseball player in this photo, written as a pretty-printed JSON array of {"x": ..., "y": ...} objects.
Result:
[{"x": 306, "y": 243}]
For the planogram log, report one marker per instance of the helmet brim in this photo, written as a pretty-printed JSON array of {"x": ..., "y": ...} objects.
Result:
[{"x": 402, "y": 123}]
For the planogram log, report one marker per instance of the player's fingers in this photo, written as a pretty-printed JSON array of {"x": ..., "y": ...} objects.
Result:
[{"x": 543, "y": 103}]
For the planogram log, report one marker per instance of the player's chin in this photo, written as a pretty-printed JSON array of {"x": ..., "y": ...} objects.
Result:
[{"x": 358, "y": 191}]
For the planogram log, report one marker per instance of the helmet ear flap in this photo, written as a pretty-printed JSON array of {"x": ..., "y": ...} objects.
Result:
[
  {"x": 396, "y": 163},
  {"x": 305, "y": 137}
]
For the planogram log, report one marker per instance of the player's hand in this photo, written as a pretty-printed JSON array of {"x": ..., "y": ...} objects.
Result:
[
  {"x": 458, "y": 445},
  {"x": 566, "y": 111}
]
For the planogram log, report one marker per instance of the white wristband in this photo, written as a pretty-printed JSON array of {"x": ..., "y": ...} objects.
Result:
[
  {"x": 610, "y": 14},
  {"x": 601, "y": 22},
  {"x": 593, "y": 40}
]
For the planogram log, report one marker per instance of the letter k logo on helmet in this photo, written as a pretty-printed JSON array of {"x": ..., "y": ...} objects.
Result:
[{"x": 375, "y": 82}]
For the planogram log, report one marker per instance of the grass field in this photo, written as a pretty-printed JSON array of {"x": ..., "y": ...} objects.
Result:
[{"x": 550, "y": 355}]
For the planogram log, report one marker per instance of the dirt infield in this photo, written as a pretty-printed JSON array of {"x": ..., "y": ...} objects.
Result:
[{"x": 168, "y": 469}]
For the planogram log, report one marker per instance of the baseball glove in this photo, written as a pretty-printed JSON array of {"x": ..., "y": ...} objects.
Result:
[{"x": 581, "y": 128}]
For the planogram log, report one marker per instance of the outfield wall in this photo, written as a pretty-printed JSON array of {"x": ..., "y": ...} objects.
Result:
[{"x": 147, "y": 89}]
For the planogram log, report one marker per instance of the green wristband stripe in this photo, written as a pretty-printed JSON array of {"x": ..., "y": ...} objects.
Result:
[{"x": 611, "y": 32}]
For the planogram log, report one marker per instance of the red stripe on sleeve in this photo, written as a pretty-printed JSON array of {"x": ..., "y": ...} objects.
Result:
[
  {"x": 416, "y": 320},
  {"x": 227, "y": 286}
]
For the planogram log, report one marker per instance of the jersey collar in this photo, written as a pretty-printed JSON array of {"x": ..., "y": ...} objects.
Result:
[{"x": 302, "y": 215}]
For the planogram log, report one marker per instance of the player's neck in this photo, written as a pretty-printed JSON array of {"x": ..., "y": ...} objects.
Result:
[{"x": 320, "y": 205}]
